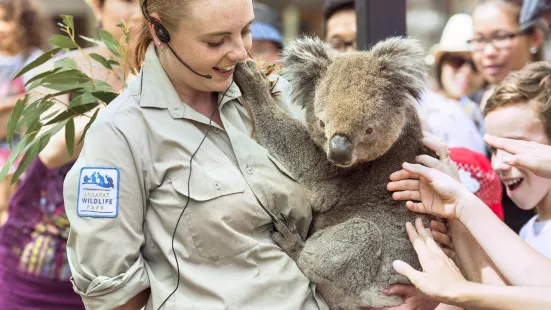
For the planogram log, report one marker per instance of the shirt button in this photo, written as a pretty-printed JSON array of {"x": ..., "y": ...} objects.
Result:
[
  {"x": 250, "y": 170},
  {"x": 217, "y": 185},
  {"x": 217, "y": 130}
]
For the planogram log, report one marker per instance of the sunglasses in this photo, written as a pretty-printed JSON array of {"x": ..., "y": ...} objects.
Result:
[{"x": 457, "y": 62}]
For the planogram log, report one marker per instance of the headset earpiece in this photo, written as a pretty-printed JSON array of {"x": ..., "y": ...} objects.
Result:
[{"x": 161, "y": 31}]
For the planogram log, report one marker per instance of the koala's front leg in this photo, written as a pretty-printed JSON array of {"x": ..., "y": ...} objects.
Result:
[
  {"x": 285, "y": 234},
  {"x": 276, "y": 129}
]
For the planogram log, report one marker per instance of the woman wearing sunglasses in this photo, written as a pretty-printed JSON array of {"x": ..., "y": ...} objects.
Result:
[{"x": 447, "y": 111}]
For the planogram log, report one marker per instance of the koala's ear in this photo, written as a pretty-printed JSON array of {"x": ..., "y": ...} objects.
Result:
[
  {"x": 402, "y": 62},
  {"x": 305, "y": 62}
]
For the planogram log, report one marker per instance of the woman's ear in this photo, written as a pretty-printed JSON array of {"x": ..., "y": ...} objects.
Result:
[{"x": 537, "y": 39}]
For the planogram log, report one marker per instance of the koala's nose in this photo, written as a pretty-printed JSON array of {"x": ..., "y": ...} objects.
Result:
[{"x": 340, "y": 150}]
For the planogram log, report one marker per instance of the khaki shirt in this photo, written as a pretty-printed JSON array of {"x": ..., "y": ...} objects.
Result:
[{"x": 140, "y": 148}]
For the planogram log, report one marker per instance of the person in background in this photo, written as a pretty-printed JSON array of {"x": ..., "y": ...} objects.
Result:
[
  {"x": 533, "y": 11},
  {"x": 24, "y": 34},
  {"x": 520, "y": 108},
  {"x": 339, "y": 26},
  {"x": 266, "y": 34},
  {"x": 34, "y": 272},
  {"x": 500, "y": 46},
  {"x": 447, "y": 112}
]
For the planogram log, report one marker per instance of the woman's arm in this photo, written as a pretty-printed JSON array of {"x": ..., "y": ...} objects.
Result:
[{"x": 137, "y": 302}]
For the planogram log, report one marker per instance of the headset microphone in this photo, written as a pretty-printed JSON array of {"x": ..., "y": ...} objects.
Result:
[{"x": 164, "y": 36}]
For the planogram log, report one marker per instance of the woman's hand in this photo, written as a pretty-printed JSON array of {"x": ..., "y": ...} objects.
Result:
[
  {"x": 533, "y": 156},
  {"x": 440, "y": 279}
]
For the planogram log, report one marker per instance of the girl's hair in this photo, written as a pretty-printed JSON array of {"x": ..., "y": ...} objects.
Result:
[
  {"x": 516, "y": 6},
  {"x": 171, "y": 12},
  {"x": 531, "y": 85},
  {"x": 33, "y": 29}
]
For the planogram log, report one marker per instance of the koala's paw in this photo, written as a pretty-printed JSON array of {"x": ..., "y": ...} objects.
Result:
[
  {"x": 254, "y": 85},
  {"x": 286, "y": 236}
]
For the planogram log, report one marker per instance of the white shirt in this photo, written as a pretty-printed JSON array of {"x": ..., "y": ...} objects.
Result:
[
  {"x": 446, "y": 119},
  {"x": 538, "y": 235}
]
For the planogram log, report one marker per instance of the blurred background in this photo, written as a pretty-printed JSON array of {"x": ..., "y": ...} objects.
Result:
[{"x": 304, "y": 16}]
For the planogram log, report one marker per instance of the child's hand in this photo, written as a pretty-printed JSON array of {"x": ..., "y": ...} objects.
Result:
[
  {"x": 440, "y": 279},
  {"x": 533, "y": 156},
  {"x": 438, "y": 193}
]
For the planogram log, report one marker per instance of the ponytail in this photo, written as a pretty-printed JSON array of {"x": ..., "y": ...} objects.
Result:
[{"x": 138, "y": 46}]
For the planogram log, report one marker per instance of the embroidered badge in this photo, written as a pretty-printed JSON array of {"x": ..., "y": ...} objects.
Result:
[{"x": 98, "y": 192}]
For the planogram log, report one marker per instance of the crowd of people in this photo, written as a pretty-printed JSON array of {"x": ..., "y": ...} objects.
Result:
[{"x": 486, "y": 112}]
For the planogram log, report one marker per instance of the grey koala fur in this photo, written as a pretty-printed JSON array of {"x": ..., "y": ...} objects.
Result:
[{"x": 361, "y": 125}]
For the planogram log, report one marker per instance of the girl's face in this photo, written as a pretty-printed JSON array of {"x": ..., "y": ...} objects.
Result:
[
  {"x": 113, "y": 12},
  {"x": 213, "y": 37},
  {"x": 459, "y": 76},
  {"x": 8, "y": 31},
  {"x": 508, "y": 48},
  {"x": 519, "y": 121}
]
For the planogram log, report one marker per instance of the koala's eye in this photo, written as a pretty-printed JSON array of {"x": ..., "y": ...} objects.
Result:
[
  {"x": 322, "y": 124},
  {"x": 369, "y": 130}
]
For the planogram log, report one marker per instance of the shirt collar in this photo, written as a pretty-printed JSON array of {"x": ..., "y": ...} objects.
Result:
[{"x": 157, "y": 90}]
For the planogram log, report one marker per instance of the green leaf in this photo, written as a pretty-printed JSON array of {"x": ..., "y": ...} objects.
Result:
[
  {"x": 30, "y": 155},
  {"x": 70, "y": 136},
  {"x": 83, "y": 99},
  {"x": 68, "y": 20},
  {"x": 104, "y": 62},
  {"x": 42, "y": 75},
  {"x": 102, "y": 86},
  {"x": 39, "y": 61},
  {"x": 113, "y": 62},
  {"x": 72, "y": 112},
  {"x": 91, "y": 40},
  {"x": 66, "y": 63},
  {"x": 110, "y": 42},
  {"x": 14, "y": 118},
  {"x": 62, "y": 41},
  {"x": 64, "y": 80},
  {"x": 105, "y": 97},
  {"x": 88, "y": 126}
]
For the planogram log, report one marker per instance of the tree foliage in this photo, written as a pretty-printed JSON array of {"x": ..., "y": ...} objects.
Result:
[{"x": 41, "y": 114}]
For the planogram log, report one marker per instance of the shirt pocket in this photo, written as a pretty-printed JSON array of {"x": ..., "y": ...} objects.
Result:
[{"x": 220, "y": 219}]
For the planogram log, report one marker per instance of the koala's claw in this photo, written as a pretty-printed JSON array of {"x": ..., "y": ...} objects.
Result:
[{"x": 286, "y": 236}]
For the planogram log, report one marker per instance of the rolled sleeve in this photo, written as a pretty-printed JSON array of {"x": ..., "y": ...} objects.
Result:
[{"x": 104, "y": 253}]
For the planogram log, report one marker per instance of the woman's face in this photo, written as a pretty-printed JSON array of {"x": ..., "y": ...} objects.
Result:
[
  {"x": 212, "y": 38},
  {"x": 113, "y": 12},
  {"x": 459, "y": 76},
  {"x": 509, "y": 49},
  {"x": 519, "y": 121},
  {"x": 8, "y": 31}
]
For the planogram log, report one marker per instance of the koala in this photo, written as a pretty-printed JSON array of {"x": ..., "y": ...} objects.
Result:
[{"x": 361, "y": 125}]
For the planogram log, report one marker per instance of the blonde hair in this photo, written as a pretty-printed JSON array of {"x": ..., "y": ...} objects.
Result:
[
  {"x": 531, "y": 85},
  {"x": 171, "y": 12}
]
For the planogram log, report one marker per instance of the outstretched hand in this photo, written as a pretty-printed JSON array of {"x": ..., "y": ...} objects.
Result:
[
  {"x": 440, "y": 278},
  {"x": 533, "y": 156},
  {"x": 437, "y": 193}
]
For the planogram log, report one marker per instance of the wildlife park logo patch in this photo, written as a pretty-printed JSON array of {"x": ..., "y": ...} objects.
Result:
[{"x": 98, "y": 192}]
